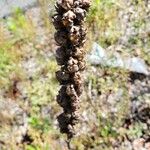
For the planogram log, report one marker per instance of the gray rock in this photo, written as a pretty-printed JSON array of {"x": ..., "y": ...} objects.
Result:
[
  {"x": 136, "y": 64},
  {"x": 99, "y": 56},
  {"x": 6, "y": 6}
]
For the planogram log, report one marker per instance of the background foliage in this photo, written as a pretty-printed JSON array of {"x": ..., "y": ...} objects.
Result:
[{"x": 27, "y": 76}]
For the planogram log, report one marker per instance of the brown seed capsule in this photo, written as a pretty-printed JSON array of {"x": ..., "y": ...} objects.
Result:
[
  {"x": 83, "y": 32},
  {"x": 61, "y": 37},
  {"x": 70, "y": 90},
  {"x": 86, "y": 3},
  {"x": 68, "y": 18},
  {"x": 75, "y": 116},
  {"x": 61, "y": 56},
  {"x": 80, "y": 14},
  {"x": 74, "y": 34},
  {"x": 79, "y": 89},
  {"x": 64, "y": 118},
  {"x": 82, "y": 65},
  {"x": 72, "y": 65},
  {"x": 78, "y": 53},
  {"x": 83, "y": 4},
  {"x": 62, "y": 98},
  {"x": 77, "y": 78},
  {"x": 75, "y": 106},
  {"x": 59, "y": 9},
  {"x": 62, "y": 76},
  {"x": 57, "y": 22},
  {"x": 66, "y": 4},
  {"x": 71, "y": 131},
  {"x": 73, "y": 68},
  {"x": 62, "y": 101}
]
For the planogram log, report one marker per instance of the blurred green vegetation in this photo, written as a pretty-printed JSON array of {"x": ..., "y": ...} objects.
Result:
[
  {"x": 20, "y": 26},
  {"x": 103, "y": 28},
  {"x": 102, "y": 18}
]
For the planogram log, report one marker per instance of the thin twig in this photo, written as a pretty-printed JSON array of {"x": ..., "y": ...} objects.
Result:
[{"x": 68, "y": 141}]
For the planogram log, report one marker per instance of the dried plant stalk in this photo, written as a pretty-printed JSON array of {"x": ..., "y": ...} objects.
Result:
[{"x": 70, "y": 38}]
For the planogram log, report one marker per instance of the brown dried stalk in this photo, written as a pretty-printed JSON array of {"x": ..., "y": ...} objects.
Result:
[{"x": 70, "y": 37}]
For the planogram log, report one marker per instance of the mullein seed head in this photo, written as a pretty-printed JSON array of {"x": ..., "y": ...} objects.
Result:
[{"x": 70, "y": 37}]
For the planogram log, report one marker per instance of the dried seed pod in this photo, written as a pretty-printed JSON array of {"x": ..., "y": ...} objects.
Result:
[
  {"x": 71, "y": 131},
  {"x": 65, "y": 121},
  {"x": 75, "y": 121},
  {"x": 70, "y": 36},
  {"x": 68, "y": 18},
  {"x": 76, "y": 115},
  {"x": 77, "y": 78},
  {"x": 86, "y": 3},
  {"x": 62, "y": 98},
  {"x": 73, "y": 68},
  {"x": 61, "y": 56},
  {"x": 61, "y": 37},
  {"x": 62, "y": 101},
  {"x": 65, "y": 118},
  {"x": 78, "y": 53},
  {"x": 74, "y": 35},
  {"x": 79, "y": 89},
  {"x": 80, "y": 14},
  {"x": 62, "y": 76},
  {"x": 83, "y": 4},
  {"x": 72, "y": 65},
  {"x": 75, "y": 106},
  {"x": 66, "y": 4},
  {"x": 70, "y": 90},
  {"x": 59, "y": 9},
  {"x": 83, "y": 30},
  {"x": 57, "y": 22},
  {"x": 82, "y": 65}
]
